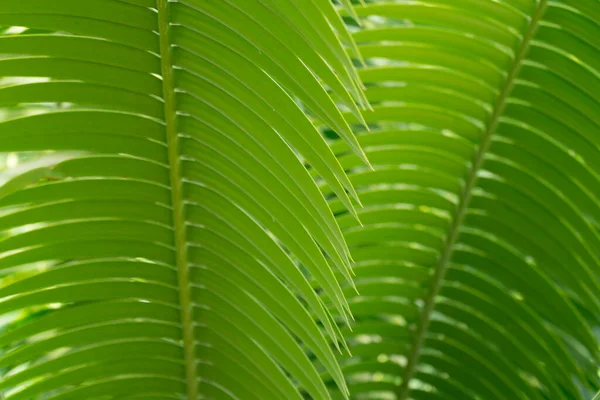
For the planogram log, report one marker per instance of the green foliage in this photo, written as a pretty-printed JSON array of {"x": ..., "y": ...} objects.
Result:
[
  {"x": 210, "y": 243},
  {"x": 174, "y": 243},
  {"x": 478, "y": 261}
]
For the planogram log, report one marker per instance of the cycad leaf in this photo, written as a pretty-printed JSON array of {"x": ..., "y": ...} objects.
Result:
[
  {"x": 177, "y": 255},
  {"x": 478, "y": 260}
]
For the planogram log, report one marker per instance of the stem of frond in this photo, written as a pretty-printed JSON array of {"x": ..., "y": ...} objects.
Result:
[{"x": 177, "y": 200}]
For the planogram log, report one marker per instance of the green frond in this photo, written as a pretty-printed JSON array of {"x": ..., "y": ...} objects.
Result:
[
  {"x": 175, "y": 253},
  {"x": 477, "y": 260}
]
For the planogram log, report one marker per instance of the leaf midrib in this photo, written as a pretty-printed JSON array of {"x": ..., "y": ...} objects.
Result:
[
  {"x": 177, "y": 205},
  {"x": 463, "y": 205}
]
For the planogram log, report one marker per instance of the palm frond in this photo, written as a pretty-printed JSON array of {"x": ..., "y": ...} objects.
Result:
[
  {"x": 175, "y": 245},
  {"x": 478, "y": 260}
]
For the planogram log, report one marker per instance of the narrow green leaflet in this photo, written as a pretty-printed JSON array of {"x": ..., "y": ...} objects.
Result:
[{"x": 30, "y": 172}]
